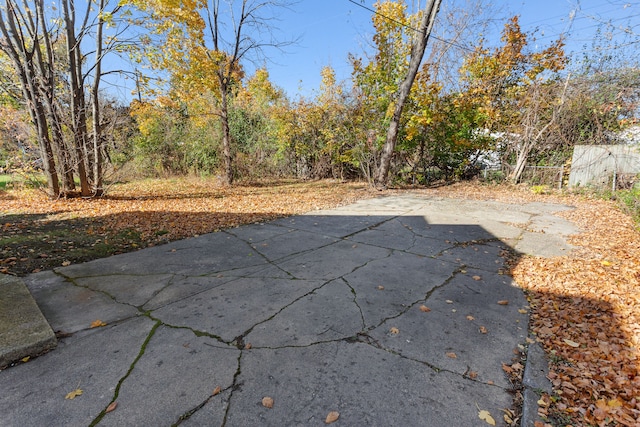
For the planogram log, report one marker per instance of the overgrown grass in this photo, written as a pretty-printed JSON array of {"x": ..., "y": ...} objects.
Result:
[{"x": 630, "y": 202}]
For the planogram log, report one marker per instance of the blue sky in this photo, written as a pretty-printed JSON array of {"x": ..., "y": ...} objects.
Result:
[{"x": 330, "y": 29}]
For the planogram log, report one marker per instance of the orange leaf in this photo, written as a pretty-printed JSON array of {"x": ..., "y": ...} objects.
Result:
[
  {"x": 97, "y": 323},
  {"x": 267, "y": 402},
  {"x": 332, "y": 417}
]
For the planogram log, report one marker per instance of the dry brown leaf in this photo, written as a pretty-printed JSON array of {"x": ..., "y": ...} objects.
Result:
[
  {"x": 112, "y": 406},
  {"x": 571, "y": 343},
  {"x": 424, "y": 309},
  {"x": 332, "y": 417},
  {"x": 247, "y": 346},
  {"x": 216, "y": 391},
  {"x": 483, "y": 330},
  {"x": 267, "y": 402},
  {"x": 473, "y": 375},
  {"x": 73, "y": 394},
  {"x": 394, "y": 330},
  {"x": 486, "y": 416},
  {"x": 381, "y": 288},
  {"x": 451, "y": 355},
  {"x": 477, "y": 278},
  {"x": 470, "y": 317},
  {"x": 503, "y": 302}
]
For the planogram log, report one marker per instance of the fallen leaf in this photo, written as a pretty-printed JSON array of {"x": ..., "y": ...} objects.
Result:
[
  {"x": 381, "y": 288},
  {"x": 469, "y": 317},
  {"x": 503, "y": 302},
  {"x": 477, "y": 278},
  {"x": 25, "y": 359},
  {"x": 73, "y": 394},
  {"x": 66, "y": 263},
  {"x": 394, "y": 330},
  {"x": 332, "y": 417},
  {"x": 473, "y": 375},
  {"x": 449, "y": 301},
  {"x": 483, "y": 330},
  {"x": 424, "y": 309},
  {"x": 216, "y": 391},
  {"x": 97, "y": 323},
  {"x": 605, "y": 263},
  {"x": 111, "y": 407},
  {"x": 486, "y": 416},
  {"x": 247, "y": 346},
  {"x": 267, "y": 402},
  {"x": 522, "y": 311},
  {"x": 614, "y": 403},
  {"x": 452, "y": 355},
  {"x": 571, "y": 343}
]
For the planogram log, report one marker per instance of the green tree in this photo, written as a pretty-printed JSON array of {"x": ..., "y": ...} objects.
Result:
[{"x": 202, "y": 46}]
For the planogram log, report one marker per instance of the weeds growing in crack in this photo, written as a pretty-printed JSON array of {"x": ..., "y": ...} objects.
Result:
[
  {"x": 234, "y": 386},
  {"x": 143, "y": 348}
]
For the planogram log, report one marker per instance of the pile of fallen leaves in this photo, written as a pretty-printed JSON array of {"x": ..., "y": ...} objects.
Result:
[
  {"x": 37, "y": 233},
  {"x": 585, "y": 309}
]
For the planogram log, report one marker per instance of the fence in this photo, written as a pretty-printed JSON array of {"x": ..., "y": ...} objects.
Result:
[
  {"x": 534, "y": 175},
  {"x": 614, "y": 166}
]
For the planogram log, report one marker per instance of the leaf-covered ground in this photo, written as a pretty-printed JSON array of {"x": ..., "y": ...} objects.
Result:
[
  {"x": 37, "y": 233},
  {"x": 585, "y": 306}
]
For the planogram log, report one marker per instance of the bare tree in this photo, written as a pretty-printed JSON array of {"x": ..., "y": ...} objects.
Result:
[
  {"x": 417, "y": 53},
  {"x": 54, "y": 82}
]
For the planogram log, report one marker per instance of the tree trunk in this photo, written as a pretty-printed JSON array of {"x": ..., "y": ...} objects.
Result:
[
  {"x": 95, "y": 110},
  {"x": 417, "y": 53},
  {"x": 78, "y": 105}
]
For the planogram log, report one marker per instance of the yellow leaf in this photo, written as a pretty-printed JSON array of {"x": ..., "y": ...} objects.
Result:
[
  {"x": 614, "y": 403},
  {"x": 332, "y": 417},
  {"x": 571, "y": 343},
  {"x": 97, "y": 323},
  {"x": 267, "y": 402},
  {"x": 486, "y": 416},
  {"x": 522, "y": 311},
  {"x": 25, "y": 359},
  {"x": 605, "y": 263},
  {"x": 73, "y": 394}
]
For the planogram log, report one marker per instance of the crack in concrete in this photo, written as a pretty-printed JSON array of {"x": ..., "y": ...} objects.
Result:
[
  {"x": 235, "y": 385},
  {"x": 355, "y": 301},
  {"x": 116, "y": 392}
]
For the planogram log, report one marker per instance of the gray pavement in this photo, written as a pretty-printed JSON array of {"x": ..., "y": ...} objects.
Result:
[{"x": 375, "y": 310}]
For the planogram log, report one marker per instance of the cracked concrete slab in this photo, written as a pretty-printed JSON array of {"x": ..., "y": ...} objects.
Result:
[
  {"x": 365, "y": 384},
  {"x": 322, "y": 312},
  {"x": 33, "y": 394}
]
